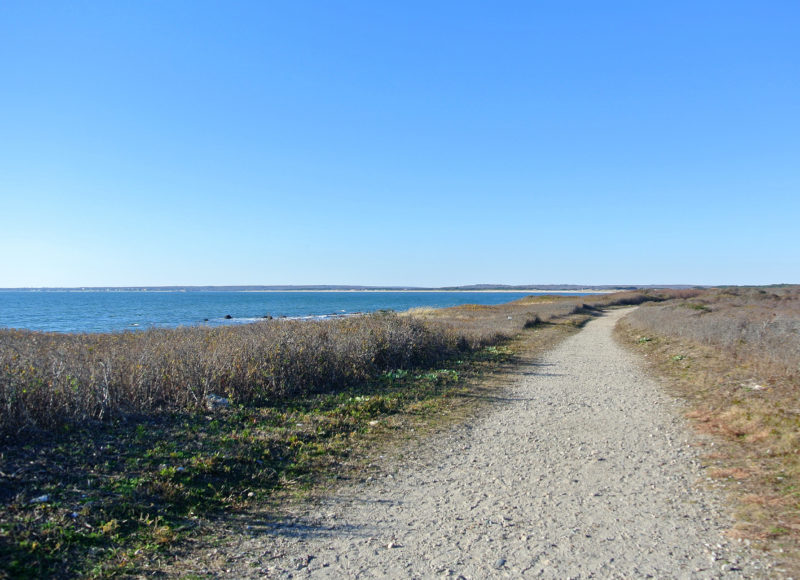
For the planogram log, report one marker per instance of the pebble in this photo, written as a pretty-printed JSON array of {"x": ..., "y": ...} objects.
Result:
[{"x": 565, "y": 456}]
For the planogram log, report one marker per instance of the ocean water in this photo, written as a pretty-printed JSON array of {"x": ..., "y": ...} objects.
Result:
[{"x": 119, "y": 311}]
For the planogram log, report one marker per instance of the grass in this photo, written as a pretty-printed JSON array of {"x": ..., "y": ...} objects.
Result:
[
  {"x": 116, "y": 496},
  {"x": 734, "y": 355},
  {"x": 49, "y": 380},
  {"x": 120, "y": 492}
]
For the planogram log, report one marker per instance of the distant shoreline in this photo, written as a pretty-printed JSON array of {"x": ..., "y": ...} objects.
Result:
[
  {"x": 94, "y": 310},
  {"x": 479, "y": 288},
  {"x": 367, "y": 290},
  {"x": 582, "y": 291}
]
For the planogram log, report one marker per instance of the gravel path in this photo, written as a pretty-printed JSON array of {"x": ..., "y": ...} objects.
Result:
[{"x": 583, "y": 470}]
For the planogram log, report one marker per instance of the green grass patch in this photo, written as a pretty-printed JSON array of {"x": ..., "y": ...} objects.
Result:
[
  {"x": 104, "y": 501},
  {"x": 111, "y": 472}
]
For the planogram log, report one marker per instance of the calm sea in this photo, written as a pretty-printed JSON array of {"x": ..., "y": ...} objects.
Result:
[{"x": 116, "y": 311}]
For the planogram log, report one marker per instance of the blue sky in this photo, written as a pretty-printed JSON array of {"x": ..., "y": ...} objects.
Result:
[{"x": 424, "y": 143}]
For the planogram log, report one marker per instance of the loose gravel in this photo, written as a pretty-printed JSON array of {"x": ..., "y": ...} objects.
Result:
[{"x": 584, "y": 468}]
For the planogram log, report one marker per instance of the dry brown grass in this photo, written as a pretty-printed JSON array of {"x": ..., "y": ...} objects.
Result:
[
  {"x": 491, "y": 323},
  {"x": 734, "y": 354},
  {"x": 756, "y": 326},
  {"x": 730, "y": 472},
  {"x": 126, "y": 491},
  {"x": 48, "y": 380}
]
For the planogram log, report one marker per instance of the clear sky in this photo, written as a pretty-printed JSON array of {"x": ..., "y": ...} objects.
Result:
[{"x": 391, "y": 143}]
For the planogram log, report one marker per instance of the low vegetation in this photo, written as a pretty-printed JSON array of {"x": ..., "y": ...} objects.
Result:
[
  {"x": 117, "y": 498},
  {"x": 117, "y": 447},
  {"x": 49, "y": 380},
  {"x": 734, "y": 354}
]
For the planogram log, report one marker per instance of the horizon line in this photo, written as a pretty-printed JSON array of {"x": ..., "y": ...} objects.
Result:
[{"x": 289, "y": 287}]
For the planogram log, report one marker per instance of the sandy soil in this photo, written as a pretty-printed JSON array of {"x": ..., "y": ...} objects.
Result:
[{"x": 583, "y": 469}]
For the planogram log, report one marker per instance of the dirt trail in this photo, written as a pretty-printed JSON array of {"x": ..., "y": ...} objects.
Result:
[{"x": 584, "y": 469}]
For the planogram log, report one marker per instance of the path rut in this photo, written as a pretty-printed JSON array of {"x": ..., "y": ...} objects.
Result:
[{"x": 584, "y": 469}]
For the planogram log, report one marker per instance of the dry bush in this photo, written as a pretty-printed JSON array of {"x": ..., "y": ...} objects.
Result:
[
  {"x": 734, "y": 354},
  {"x": 759, "y": 325},
  {"x": 481, "y": 324},
  {"x": 49, "y": 379}
]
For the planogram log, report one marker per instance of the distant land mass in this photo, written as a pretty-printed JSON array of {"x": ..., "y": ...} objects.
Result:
[{"x": 344, "y": 288}]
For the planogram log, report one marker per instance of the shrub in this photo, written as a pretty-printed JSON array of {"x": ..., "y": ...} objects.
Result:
[
  {"x": 749, "y": 323},
  {"x": 49, "y": 379}
]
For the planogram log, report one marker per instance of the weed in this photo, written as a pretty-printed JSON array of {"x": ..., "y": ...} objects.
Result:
[
  {"x": 742, "y": 385},
  {"x": 533, "y": 322},
  {"x": 118, "y": 435},
  {"x": 696, "y": 306}
]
